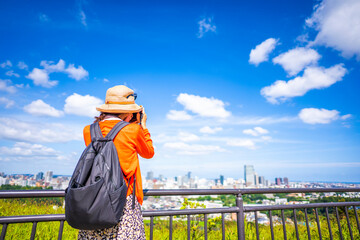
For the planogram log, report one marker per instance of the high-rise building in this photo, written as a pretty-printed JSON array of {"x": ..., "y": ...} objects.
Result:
[
  {"x": 222, "y": 179},
  {"x": 286, "y": 181},
  {"x": 256, "y": 179},
  {"x": 48, "y": 176},
  {"x": 262, "y": 180},
  {"x": 189, "y": 175},
  {"x": 39, "y": 176},
  {"x": 249, "y": 175},
  {"x": 149, "y": 175},
  {"x": 278, "y": 181}
]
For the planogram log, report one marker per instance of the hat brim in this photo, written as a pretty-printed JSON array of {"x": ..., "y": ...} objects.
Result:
[{"x": 119, "y": 108}]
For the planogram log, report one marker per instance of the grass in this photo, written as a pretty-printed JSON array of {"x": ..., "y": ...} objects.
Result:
[
  {"x": 44, "y": 230},
  {"x": 49, "y": 230}
]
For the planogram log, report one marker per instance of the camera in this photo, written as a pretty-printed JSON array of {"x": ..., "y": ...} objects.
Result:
[{"x": 135, "y": 118}]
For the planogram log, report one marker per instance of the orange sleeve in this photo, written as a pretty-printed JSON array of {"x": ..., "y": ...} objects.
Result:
[
  {"x": 144, "y": 144},
  {"x": 86, "y": 133}
]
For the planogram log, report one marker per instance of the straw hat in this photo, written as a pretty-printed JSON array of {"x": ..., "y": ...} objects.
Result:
[{"x": 120, "y": 99}]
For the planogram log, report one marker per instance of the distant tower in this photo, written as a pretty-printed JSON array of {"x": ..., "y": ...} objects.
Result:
[
  {"x": 48, "y": 176},
  {"x": 286, "y": 181},
  {"x": 189, "y": 175},
  {"x": 222, "y": 179},
  {"x": 262, "y": 180},
  {"x": 149, "y": 175},
  {"x": 249, "y": 175},
  {"x": 278, "y": 181},
  {"x": 39, "y": 176},
  {"x": 256, "y": 179}
]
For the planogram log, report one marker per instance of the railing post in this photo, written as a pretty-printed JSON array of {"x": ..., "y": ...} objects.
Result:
[{"x": 240, "y": 217}]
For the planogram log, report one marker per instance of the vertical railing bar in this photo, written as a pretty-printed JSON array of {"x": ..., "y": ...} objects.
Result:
[
  {"x": 33, "y": 231},
  {"x": 348, "y": 222},
  {"x": 188, "y": 227},
  {"x": 223, "y": 225},
  {"x": 328, "y": 222},
  {"x": 151, "y": 227},
  {"x": 307, "y": 224},
  {"x": 205, "y": 226},
  {"x": 170, "y": 227},
  {"x": 257, "y": 225},
  {"x": 338, "y": 221},
  {"x": 357, "y": 218},
  {"x": 271, "y": 225},
  {"x": 296, "y": 226},
  {"x": 283, "y": 222},
  {"x": 240, "y": 217},
  {"x": 318, "y": 223},
  {"x": 3, "y": 231},
  {"x": 61, "y": 229}
]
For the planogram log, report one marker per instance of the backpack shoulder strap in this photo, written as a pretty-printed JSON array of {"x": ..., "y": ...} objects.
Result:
[
  {"x": 95, "y": 131},
  {"x": 116, "y": 129}
]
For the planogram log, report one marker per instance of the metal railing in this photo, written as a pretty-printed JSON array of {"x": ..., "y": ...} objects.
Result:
[{"x": 239, "y": 209}]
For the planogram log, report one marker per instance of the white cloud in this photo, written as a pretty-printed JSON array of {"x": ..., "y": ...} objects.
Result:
[
  {"x": 106, "y": 80},
  {"x": 41, "y": 78},
  {"x": 22, "y": 65},
  {"x": 37, "y": 132},
  {"x": 73, "y": 72},
  {"x": 313, "y": 78},
  {"x": 314, "y": 115},
  {"x": 194, "y": 149},
  {"x": 27, "y": 149},
  {"x": 246, "y": 143},
  {"x": 7, "y": 102},
  {"x": 82, "y": 105},
  {"x": 76, "y": 73},
  {"x": 82, "y": 17},
  {"x": 36, "y": 154},
  {"x": 205, "y": 26},
  {"x": 257, "y": 120},
  {"x": 337, "y": 23},
  {"x": 295, "y": 60},
  {"x": 12, "y": 73},
  {"x": 347, "y": 116},
  {"x": 178, "y": 115},
  {"x": 41, "y": 108},
  {"x": 266, "y": 138},
  {"x": 205, "y": 107},
  {"x": 180, "y": 136},
  {"x": 261, "y": 52},
  {"x": 50, "y": 67},
  {"x": 4, "y": 86},
  {"x": 6, "y": 64},
  {"x": 188, "y": 137},
  {"x": 209, "y": 130},
  {"x": 43, "y": 17},
  {"x": 256, "y": 131}
]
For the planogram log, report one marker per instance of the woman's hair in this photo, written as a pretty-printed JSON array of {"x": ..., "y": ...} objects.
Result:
[{"x": 103, "y": 115}]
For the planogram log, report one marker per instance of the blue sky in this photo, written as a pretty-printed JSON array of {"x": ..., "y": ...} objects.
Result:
[{"x": 224, "y": 83}]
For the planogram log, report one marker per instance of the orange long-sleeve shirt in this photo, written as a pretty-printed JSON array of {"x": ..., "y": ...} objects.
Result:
[{"x": 130, "y": 141}]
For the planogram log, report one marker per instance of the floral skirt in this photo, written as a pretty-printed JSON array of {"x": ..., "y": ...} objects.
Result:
[{"x": 131, "y": 226}]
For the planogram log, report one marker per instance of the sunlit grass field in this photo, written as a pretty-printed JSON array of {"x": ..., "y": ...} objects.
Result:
[{"x": 49, "y": 230}]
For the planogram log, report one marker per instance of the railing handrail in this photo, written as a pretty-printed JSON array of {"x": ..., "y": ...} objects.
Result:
[
  {"x": 181, "y": 192},
  {"x": 240, "y": 209}
]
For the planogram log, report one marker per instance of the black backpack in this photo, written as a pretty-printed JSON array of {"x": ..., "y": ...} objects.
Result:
[{"x": 96, "y": 195}]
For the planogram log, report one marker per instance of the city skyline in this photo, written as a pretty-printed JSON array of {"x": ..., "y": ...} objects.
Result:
[{"x": 224, "y": 84}]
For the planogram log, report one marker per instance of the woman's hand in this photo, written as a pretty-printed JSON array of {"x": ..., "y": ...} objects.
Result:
[{"x": 144, "y": 118}]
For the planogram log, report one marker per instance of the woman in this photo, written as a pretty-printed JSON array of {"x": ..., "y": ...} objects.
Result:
[{"x": 132, "y": 140}]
